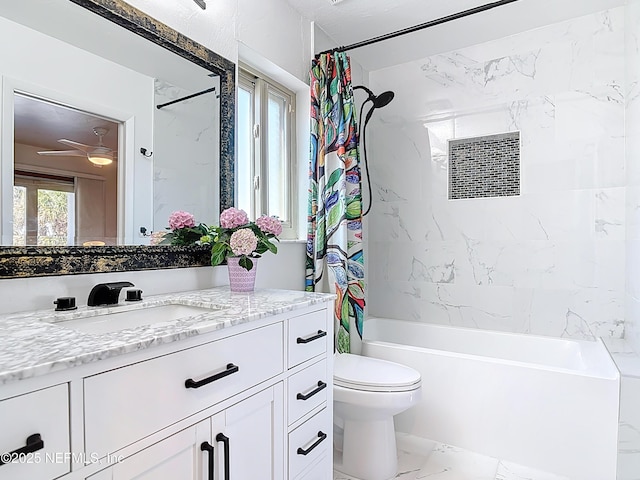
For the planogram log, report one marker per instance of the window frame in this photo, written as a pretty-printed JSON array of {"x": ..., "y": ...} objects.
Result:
[
  {"x": 33, "y": 182},
  {"x": 260, "y": 85}
]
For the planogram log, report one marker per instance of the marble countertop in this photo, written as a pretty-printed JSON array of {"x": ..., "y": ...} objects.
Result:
[{"x": 31, "y": 343}]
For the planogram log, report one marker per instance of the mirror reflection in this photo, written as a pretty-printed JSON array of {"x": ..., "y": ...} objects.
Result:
[
  {"x": 65, "y": 175},
  {"x": 89, "y": 88}
]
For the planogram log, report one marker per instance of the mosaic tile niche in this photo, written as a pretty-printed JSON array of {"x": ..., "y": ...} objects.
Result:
[{"x": 487, "y": 166}]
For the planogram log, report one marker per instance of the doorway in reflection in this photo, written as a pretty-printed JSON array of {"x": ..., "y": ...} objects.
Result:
[{"x": 65, "y": 187}]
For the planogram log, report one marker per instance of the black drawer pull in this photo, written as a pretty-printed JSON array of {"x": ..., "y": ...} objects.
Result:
[
  {"x": 191, "y": 383},
  {"x": 321, "y": 386},
  {"x": 207, "y": 447},
  {"x": 321, "y": 437},
  {"x": 221, "y": 437},
  {"x": 320, "y": 334},
  {"x": 33, "y": 444}
]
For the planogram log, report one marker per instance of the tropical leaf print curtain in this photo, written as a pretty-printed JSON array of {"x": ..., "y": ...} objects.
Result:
[{"x": 335, "y": 260}]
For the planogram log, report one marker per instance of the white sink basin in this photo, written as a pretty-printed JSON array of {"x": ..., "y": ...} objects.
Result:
[{"x": 116, "y": 321}]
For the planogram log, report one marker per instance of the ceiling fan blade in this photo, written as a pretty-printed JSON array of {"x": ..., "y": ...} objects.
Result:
[
  {"x": 63, "y": 153},
  {"x": 79, "y": 146}
]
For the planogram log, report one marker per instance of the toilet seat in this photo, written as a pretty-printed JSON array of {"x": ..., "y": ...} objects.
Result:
[{"x": 373, "y": 375}]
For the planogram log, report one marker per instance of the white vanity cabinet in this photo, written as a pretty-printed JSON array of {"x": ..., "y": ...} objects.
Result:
[
  {"x": 161, "y": 391},
  {"x": 310, "y": 396},
  {"x": 242, "y": 441},
  {"x": 34, "y": 429},
  {"x": 248, "y": 438},
  {"x": 178, "y": 456},
  {"x": 245, "y": 402}
]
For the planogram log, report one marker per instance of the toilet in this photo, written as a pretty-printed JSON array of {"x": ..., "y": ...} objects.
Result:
[{"x": 367, "y": 393}]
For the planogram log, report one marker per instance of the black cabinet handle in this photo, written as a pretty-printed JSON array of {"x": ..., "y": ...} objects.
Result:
[
  {"x": 207, "y": 447},
  {"x": 33, "y": 444},
  {"x": 318, "y": 335},
  {"x": 321, "y": 437},
  {"x": 225, "y": 442},
  {"x": 191, "y": 383},
  {"x": 321, "y": 386}
]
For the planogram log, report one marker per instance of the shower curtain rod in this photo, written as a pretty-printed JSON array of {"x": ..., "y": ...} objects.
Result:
[
  {"x": 181, "y": 99},
  {"x": 415, "y": 28}
]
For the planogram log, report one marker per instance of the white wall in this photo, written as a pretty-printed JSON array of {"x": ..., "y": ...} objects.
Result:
[
  {"x": 550, "y": 261},
  {"x": 272, "y": 28}
]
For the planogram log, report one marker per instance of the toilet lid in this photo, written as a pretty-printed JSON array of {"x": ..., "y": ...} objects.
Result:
[{"x": 372, "y": 374}]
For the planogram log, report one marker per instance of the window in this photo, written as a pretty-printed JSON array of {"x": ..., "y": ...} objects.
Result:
[
  {"x": 43, "y": 210},
  {"x": 265, "y": 170}
]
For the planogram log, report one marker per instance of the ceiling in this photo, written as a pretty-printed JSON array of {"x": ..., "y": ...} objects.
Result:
[
  {"x": 42, "y": 124},
  {"x": 351, "y": 21}
]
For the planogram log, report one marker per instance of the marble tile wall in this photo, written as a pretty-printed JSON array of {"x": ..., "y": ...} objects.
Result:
[
  {"x": 632, "y": 139},
  {"x": 550, "y": 261},
  {"x": 629, "y": 430},
  {"x": 185, "y": 151}
]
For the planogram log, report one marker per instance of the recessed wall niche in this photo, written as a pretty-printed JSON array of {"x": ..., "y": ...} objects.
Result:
[{"x": 487, "y": 166}]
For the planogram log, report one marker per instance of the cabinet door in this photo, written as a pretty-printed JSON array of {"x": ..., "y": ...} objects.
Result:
[
  {"x": 249, "y": 438},
  {"x": 177, "y": 457}
]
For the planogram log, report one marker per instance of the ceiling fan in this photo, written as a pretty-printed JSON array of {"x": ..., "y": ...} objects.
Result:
[{"x": 97, "y": 154}]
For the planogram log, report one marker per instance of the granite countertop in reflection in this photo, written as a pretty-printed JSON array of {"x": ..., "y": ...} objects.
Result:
[{"x": 31, "y": 344}]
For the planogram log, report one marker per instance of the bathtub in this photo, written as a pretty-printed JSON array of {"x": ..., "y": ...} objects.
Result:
[{"x": 547, "y": 403}]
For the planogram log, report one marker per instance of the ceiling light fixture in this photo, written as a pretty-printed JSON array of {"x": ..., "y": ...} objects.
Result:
[
  {"x": 100, "y": 158},
  {"x": 201, "y": 4}
]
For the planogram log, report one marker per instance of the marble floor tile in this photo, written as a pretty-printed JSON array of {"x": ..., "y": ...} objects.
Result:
[
  {"x": 420, "y": 459},
  {"x": 452, "y": 463},
  {"x": 512, "y": 471}
]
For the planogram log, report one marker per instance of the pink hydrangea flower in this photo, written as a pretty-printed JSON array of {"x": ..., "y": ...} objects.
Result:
[
  {"x": 232, "y": 217},
  {"x": 243, "y": 241},
  {"x": 181, "y": 219},
  {"x": 269, "y": 225}
]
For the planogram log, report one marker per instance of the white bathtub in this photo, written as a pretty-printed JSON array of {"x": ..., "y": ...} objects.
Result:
[{"x": 547, "y": 403}]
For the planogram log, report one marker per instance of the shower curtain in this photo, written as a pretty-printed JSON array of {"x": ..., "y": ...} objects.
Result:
[{"x": 335, "y": 261}]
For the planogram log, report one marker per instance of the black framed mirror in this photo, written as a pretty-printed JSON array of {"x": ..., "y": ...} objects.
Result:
[{"x": 27, "y": 261}]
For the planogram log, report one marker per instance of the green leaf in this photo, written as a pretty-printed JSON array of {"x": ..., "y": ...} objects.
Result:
[
  {"x": 245, "y": 262},
  {"x": 343, "y": 341},
  {"x": 218, "y": 254},
  {"x": 334, "y": 178},
  {"x": 354, "y": 209},
  {"x": 334, "y": 216},
  {"x": 345, "y": 313},
  {"x": 271, "y": 247}
]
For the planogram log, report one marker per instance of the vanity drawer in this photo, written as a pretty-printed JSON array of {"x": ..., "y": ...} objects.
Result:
[
  {"x": 46, "y": 413},
  {"x": 124, "y": 405},
  {"x": 309, "y": 442},
  {"x": 307, "y": 337},
  {"x": 306, "y": 390}
]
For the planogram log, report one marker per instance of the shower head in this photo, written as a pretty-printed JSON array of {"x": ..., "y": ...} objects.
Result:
[
  {"x": 383, "y": 99},
  {"x": 378, "y": 101}
]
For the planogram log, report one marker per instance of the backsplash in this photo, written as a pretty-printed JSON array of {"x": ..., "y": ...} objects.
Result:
[
  {"x": 284, "y": 270},
  {"x": 549, "y": 261}
]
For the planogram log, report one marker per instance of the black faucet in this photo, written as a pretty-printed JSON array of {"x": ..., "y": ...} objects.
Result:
[{"x": 106, "y": 293}]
